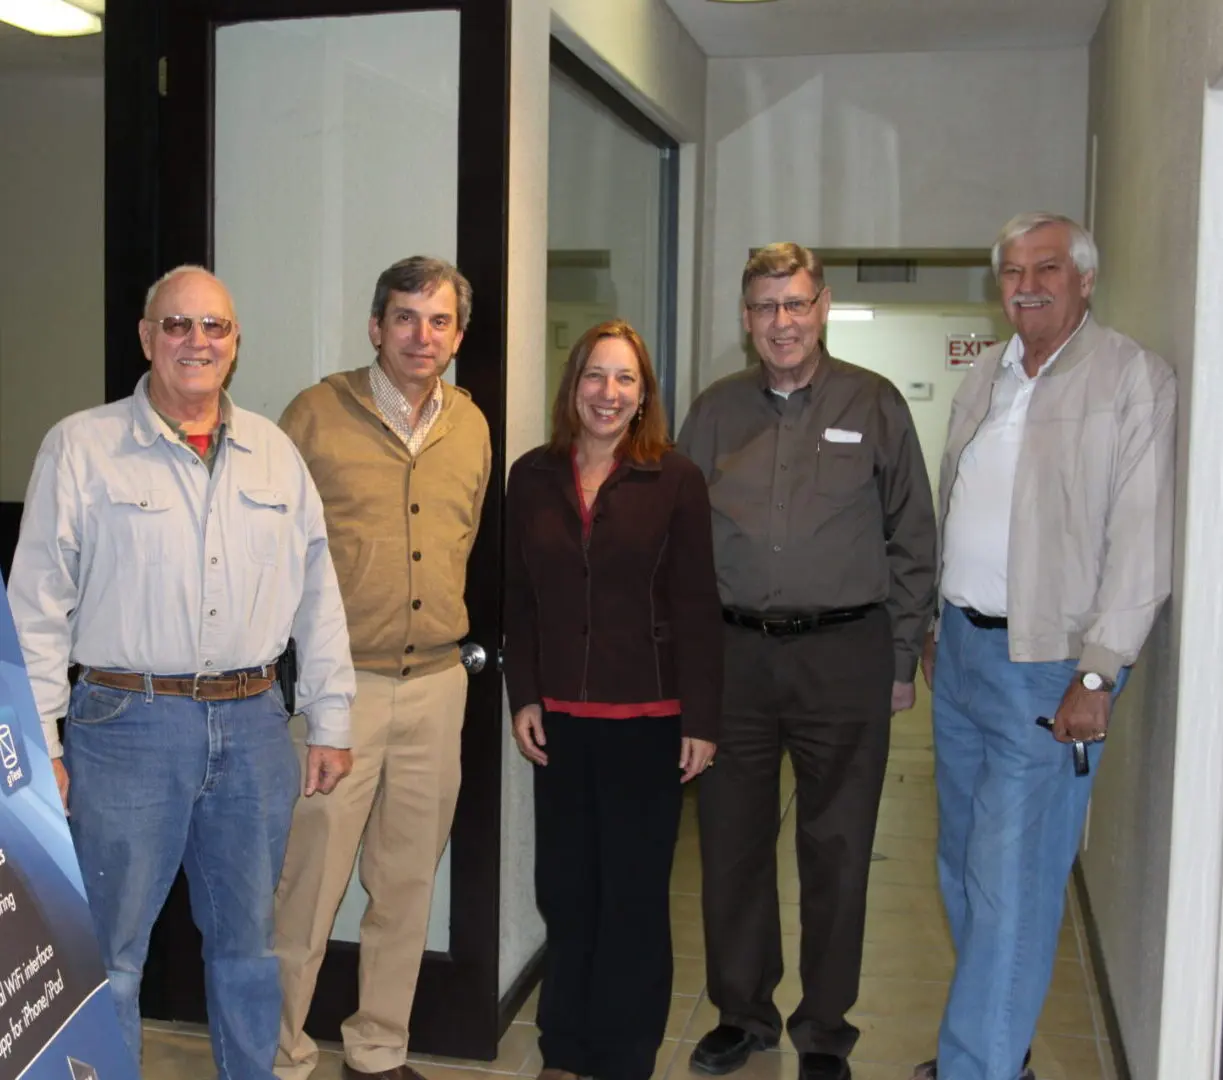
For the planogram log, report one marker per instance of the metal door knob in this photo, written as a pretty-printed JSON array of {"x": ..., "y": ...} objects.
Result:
[{"x": 473, "y": 656}]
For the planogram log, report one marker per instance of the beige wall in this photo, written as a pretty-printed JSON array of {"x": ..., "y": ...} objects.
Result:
[
  {"x": 1150, "y": 64},
  {"x": 51, "y": 322},
  {"x": 880, "y": 151}
]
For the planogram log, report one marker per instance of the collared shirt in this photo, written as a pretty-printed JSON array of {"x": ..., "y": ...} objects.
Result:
[
  {"x": 393, "y": 407},
  {"x": 134, "y": 557},
  {"x": 820, "y": 499},
  {"x": 976, "y": 536}
]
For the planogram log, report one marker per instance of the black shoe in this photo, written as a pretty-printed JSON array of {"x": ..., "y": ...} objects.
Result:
[
  {"x": 726, "y": 1049},
  {"x": 822, "y": 1067}
]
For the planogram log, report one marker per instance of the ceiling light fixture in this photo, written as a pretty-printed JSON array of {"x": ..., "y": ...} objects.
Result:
[
  {"x": 53, "y": 18},
  {"x": 740, "y": 1},
  {"x": 851, "y": 314}
]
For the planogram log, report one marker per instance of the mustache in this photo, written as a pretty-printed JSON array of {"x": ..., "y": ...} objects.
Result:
[{"x": 1031, "y": 298}]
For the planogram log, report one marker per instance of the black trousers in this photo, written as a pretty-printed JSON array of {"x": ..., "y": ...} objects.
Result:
[
  {"x": 825, "y": 697},
  {"x": 607, "y": 808}
]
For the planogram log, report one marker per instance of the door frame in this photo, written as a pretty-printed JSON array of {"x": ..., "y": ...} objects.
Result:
[{"x": 159, "y": 132}]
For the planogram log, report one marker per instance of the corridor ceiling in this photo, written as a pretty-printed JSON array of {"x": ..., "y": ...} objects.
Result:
[{"x": 806, "y": 27}]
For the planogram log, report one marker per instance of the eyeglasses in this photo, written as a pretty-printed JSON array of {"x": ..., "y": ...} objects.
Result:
[
  {"x": 178, "y": 327},
  {"x": 796, "y": 307}
]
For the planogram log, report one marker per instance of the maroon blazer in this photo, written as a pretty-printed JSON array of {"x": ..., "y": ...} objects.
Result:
[{"x": 631, "y": 615}]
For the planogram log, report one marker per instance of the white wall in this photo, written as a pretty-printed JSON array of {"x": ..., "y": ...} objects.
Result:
[
  {"x": 930, "y": 150},
  {"x": 908, "y": 345},
  {"x": 51, "y": 224},
  {"x": 1149, "y": 70}
]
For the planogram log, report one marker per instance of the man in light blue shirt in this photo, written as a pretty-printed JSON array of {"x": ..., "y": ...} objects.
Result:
[{"x": 171, "y": 544}]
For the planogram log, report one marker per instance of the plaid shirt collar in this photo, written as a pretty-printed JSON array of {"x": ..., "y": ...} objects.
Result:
[{"x": 395, "y": 410}]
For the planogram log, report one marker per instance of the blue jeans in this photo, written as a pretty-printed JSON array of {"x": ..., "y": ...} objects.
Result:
[
  {"x": 1011, "y": 813},
  {"x": 156, "y": 782}
]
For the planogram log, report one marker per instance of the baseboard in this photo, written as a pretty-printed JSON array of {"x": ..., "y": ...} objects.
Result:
[
  {"x": 511, "y": 1005},
  {"x": 1107, "y": 1006}
]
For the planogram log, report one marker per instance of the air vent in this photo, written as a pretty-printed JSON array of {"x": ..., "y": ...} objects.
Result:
[{"x": 887, "y": 271}]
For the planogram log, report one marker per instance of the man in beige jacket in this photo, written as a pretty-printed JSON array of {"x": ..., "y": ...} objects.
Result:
[
  {"x": 1056, "y": 554},
  {"x": 402, "y": 461}
]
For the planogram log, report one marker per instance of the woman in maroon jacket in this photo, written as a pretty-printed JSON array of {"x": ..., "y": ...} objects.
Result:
[{"x": 613, "y": 662}]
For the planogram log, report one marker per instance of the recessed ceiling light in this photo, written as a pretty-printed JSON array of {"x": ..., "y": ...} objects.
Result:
[
  {"x": 54, "y": 18},
  {"x": 851, "y": 314},
  {"x": 740, "y": 1}
]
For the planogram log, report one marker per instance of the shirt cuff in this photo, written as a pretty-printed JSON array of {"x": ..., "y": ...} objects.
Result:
[
  {"x": 1102, "y": 661},
  {"x": 329, "y": 727},
  {"x": 50, "y": 732},
  {"x": 906, "y": 667}
]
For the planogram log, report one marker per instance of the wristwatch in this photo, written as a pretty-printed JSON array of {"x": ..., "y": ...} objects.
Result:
[{"x": 1093, "y": 680}]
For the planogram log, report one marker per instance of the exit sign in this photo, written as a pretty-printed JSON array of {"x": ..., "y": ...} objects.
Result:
[{"x": 963, "y": 349}]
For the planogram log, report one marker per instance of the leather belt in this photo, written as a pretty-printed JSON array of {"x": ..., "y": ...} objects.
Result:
[
  {"x": 788, "y": 625},
  {"x": 984, "y": 622},
  {"x": 223, "y": 686}
]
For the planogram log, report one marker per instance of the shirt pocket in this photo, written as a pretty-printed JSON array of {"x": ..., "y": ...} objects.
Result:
[
  {"x": 843, "y": 469},
  {"x": 141, "y": 522},
  {"x": 266, "y": 513}
]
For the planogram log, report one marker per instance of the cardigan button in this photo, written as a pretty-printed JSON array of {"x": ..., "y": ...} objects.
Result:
[
  {"x": 415, "y": 508},
  {"x": 415, "y": 605},
  {"x": 416, "y": 556}
]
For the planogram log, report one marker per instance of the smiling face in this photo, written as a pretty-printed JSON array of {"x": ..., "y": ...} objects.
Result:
[
  {"x": 787, "y": 344},
  {"x": 417, "y": 336},
  {"x": 609, "y": 390},
  {"x": 1043, "y": 293},
  {"x": 188, "y": 370}
]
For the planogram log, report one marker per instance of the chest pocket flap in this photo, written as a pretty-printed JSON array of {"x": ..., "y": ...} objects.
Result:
[
  {"x": 267, "y": 522},
  {"x": 139, "y": 521}
]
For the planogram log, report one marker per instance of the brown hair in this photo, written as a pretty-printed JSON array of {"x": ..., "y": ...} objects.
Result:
[
  {"x": 646, "y": 437},
  {"x": 782, "y": 260}
]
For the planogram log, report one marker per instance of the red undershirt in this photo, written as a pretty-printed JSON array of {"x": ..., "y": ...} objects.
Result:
[
  {"x": 604, "y": 710},
  {"x": 201, "y": 444}
]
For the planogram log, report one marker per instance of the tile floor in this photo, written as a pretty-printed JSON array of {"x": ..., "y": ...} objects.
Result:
[{"x": 908, "y": 962}]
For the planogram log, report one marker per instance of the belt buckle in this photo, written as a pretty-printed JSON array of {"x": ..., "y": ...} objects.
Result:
[
  {"x": 777, "y": 627},
  {"x": 195, "y": 687}
]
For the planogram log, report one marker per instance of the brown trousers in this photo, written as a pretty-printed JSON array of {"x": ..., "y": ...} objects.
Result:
[
  {"x": 825, "y": 697},
  {"x": 397, "y": 805}
]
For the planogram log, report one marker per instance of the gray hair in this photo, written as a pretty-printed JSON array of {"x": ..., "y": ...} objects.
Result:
[
  {"x": 781, "y": 260},
  {"x": 178, "y": 271},
  {"x": 421, "y": 274},
  {"x": 1083, "y": 250}
]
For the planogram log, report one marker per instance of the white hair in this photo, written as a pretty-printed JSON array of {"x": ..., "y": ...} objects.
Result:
[
  {"x": 178, "y": 271},
  {"x": 1082, "y": 247}
]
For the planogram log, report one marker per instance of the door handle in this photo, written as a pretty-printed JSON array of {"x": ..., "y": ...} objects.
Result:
[{"x": 474, "y": 657}]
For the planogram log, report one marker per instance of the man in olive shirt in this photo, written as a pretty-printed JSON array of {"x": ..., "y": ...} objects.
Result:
[{"x": 824, "y": 540}]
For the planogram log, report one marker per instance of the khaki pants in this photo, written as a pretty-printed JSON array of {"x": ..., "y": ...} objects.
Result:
[{"x": 400, "y": 801}]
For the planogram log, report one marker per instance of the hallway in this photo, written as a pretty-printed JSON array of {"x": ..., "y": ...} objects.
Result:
[{"x": 907, "y": 965}]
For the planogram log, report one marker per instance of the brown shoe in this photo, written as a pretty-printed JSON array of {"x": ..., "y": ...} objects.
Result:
[
  {"x": 400, "y": 1072},
  {"x": 557, "y": 1074}
]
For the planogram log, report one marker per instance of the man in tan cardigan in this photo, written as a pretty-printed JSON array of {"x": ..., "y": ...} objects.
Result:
[{"x": 402, "y": 462}]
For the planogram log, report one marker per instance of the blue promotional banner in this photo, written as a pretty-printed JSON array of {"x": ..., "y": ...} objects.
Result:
[{"x": 57, "y": 1017}]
